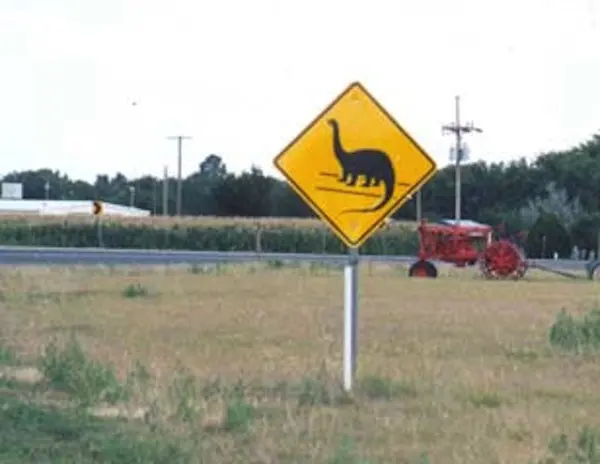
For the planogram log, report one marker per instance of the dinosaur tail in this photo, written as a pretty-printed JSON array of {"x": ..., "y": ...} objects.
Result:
[{"x": 389, "y": 190}]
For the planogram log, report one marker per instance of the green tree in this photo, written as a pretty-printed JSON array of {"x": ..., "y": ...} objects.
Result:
[{"x": 547, "y": 236}]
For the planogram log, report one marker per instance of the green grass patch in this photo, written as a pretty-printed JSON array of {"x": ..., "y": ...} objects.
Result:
[{"x": 38, "y": 434}]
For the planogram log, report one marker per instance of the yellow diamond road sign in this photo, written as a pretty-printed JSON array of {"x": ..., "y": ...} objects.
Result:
[{"x": 355, "y": 165}]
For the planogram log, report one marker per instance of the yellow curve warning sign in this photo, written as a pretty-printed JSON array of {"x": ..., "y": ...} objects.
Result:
[{"x": 354, "y": 165}]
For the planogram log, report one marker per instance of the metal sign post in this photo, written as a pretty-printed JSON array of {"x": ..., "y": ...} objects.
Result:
[{"x": 350, "y": 318}]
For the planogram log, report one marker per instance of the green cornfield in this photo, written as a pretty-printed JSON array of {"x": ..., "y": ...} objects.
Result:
[{"x": 210, "y": 234}]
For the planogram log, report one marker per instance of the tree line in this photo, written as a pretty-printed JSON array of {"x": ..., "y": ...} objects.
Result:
[{"x": 565, "y": 184}]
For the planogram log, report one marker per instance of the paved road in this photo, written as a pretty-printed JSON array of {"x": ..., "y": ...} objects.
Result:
[{"x": 110, "y": 256}]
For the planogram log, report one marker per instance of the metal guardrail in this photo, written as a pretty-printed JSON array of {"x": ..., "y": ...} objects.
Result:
[
  {"x": 114, "y": 256},
  {"x": 22, "y": 255}
]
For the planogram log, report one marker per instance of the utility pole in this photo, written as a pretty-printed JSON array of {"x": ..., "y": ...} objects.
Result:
[
  {"x": 179, "y": 139},
  {"x": 154, "y": 195},
  {"x": 459, "y": 152},
  {"x": 165, "y": 196}
]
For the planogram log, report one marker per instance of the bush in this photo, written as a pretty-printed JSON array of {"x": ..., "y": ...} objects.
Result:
[{"x": 209, "y": 235}]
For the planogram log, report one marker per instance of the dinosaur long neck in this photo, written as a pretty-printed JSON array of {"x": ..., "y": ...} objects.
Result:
[{"x": 337, "y": 143}]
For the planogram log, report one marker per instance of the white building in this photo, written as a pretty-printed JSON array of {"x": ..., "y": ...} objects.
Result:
[{"x": 65, "y": 207}]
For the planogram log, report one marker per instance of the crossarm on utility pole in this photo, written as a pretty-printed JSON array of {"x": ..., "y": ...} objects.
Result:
[
  {"x": 179, "y": 139},
  {"x": 458, "y": 130}
]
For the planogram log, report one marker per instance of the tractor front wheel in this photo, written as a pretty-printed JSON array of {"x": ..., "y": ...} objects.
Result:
[
  {"x": 423, "y": 268},
  {"x": 503, "y": 259}
]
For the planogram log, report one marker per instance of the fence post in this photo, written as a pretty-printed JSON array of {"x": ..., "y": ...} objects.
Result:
[{"x": 258, "y": 241}]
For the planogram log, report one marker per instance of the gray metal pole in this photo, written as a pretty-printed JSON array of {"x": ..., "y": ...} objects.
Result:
[
  {"x": 350, "y": 318},
  {"x": 457, "y": 204},
  {"x": 165, "y": 208},
  {"x": 178, "y": 176},
  {"x": 419, "y": 206},
  {"x": 179, "y": 139},
  {"x": 154, "y": 195}
]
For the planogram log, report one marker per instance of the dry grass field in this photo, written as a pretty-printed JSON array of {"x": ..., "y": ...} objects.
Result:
[{"x": 456, "y": 370}]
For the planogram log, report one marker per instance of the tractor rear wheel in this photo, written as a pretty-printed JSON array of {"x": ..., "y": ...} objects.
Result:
[
  {"x": 423, "y": 268},
  {"x": 502, "y": 259}
]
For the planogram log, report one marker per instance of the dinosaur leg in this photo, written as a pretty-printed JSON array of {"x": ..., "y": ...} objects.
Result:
[
  {"x": 344, "y": 176},
  {"x": 376, "y": 182},
  {"x": 353, "y": 179},
  {"x": 368, "y": 181}
]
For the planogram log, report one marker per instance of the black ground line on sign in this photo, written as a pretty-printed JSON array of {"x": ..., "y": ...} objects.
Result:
[
  {"x": 349, "y": 192},
  {"x": 328, "y": 174},
  {"x": 332, "y": 174}
]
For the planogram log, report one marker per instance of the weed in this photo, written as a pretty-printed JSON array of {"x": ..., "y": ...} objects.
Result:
[
  {"x": 8, "y": 356},
  {"x": 213, "y": 388},
  {"x": 206, "y": 268},
  {"x": 135, "y": 291},
  {"x": 197, "y": 269},
  {"x": 381, "y": 388},
  {"x": 138, "y": 379},
  {"x": 183, "y": 394},
  {"x": 522, "y": 355},
  {"x": 275, "y": 264},
  {"x": 421, "y": 458},
  {"x": 70, "y": 370},
  {"x": 345, "y": 453},
  {"x": 585, "y": 449},
  {"x": 485, "y": 399},
  {"x": 519, "y": 434},
  {"x": 239, "y": 415},
  {"x": 314, "y": 392},
  {"x": 280, "y": 389},
  {"x": 576, "y": 335}
]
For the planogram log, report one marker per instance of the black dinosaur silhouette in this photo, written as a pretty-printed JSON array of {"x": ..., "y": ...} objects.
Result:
[{"x": 374, "y": 165}]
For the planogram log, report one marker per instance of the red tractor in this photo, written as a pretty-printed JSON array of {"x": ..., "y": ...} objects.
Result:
[{"x": 466, "y": 244}]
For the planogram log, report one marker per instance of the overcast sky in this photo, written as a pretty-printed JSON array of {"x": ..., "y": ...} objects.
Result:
[{"x": 243, "y": 77}]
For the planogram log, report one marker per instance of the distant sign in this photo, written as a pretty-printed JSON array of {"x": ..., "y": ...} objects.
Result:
[
  {"x": 12, "y": 190},
  {"x": 97, "y": 208},
  {"x": 354, "y": 165}
]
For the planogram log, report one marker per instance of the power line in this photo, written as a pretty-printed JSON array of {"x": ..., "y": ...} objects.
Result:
[
  {"x": 179, "y": 139},
  {"x": 459, "y": 152}
]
